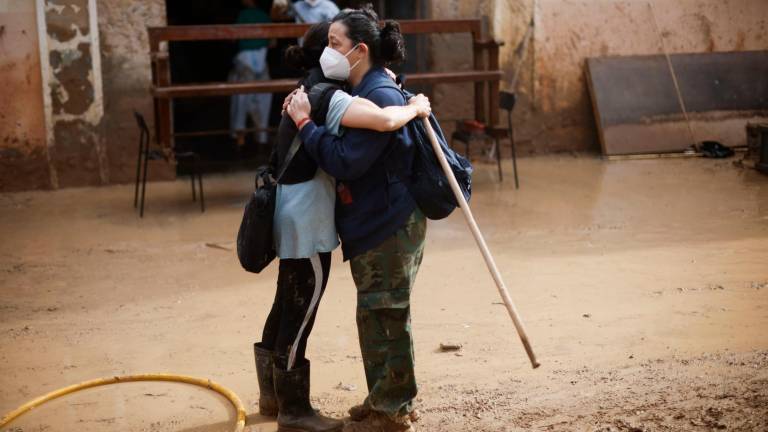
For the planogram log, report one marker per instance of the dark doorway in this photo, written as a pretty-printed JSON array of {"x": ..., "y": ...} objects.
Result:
[{"x": 211, "y": 61}]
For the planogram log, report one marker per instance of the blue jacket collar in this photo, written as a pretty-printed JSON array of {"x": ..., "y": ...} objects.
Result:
[{"x": 375, "y": 74}]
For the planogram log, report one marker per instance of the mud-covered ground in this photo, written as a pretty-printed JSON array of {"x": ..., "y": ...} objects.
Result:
[{"x": 643, "y": 285}]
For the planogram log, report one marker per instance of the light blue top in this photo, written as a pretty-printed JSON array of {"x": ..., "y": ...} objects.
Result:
[
  {"x": 322, "y": 11},
  {"x": 304, "y": 212}
]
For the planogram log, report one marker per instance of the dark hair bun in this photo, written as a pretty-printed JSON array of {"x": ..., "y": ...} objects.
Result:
[
  {"x": 392, "y": 45},
  {"x": 294, "y": 57},
  {"x": 367, "y": 10}
]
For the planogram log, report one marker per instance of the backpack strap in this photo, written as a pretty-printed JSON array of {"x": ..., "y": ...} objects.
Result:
[
  {"x": 319, "y": 100},
  {"x": 316, "y": 94},
  {"x": 384, "y": 84},
  {"x": 295, "y": 144}
]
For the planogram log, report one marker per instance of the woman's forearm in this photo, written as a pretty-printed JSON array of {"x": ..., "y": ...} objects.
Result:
[
  {"x": 364, "y": 114},
  {"x": 399, "y": 116}
]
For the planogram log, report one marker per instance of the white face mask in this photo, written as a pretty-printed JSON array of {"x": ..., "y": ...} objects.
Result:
[{"x": 335, "y": 65}]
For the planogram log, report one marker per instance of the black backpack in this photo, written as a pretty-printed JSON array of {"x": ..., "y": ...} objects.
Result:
[
  {"x": 428, "y": 184},
  {"x": 416, "y": 164}
]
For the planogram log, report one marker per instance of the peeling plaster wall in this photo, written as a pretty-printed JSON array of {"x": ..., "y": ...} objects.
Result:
[
  {"x": 76, "y": 140},
  {"x": 67, "y": 127},
  {"x": 127, "y": 78},
  {"x": 554, "y": 112},
  {"x": 23, "y": 153}
]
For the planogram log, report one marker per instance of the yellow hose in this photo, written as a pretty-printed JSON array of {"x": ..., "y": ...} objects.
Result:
[{"x": 232, "y": 397}]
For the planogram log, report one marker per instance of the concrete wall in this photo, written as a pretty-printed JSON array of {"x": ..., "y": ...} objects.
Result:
[
  {"x": 71, "y": 123},
  {"x": 23, "y": 151},
  {"x": 555, "y": 113},
  {"x": 127, "y": 78},
  {"x": 73, "y": 76}
]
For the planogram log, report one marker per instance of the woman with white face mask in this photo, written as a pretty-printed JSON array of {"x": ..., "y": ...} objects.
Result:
[
  {"x": 382, "y": 230},
  {"x": 305, "y": 234}
]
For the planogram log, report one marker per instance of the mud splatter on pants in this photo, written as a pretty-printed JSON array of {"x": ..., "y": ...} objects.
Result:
[
  {"x": 300, "y": 286},
  {"x": 384, "y": 277}
]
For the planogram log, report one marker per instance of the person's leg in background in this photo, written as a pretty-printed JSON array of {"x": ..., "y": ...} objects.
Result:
[
  {"x": 384, "y": 277},
  {"x": 260, "y": 104},
  {"x": 238, "y": 103}
]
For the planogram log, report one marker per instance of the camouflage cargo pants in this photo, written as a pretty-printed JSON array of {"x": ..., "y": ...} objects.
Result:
[{"x": 384, "y": 277}]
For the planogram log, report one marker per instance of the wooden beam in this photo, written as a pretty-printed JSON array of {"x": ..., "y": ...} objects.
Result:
[
  {"x": 454, "y": 77},
  {"x": 289, "y": 30},
  {"x": 488, "y": 43},
  {"x": 226, "y": 32},
  {"x": 223, "y": 88},
  {"x": 286, "y": 85}
]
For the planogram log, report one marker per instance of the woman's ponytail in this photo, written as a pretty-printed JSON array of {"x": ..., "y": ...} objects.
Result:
[{"x": 391, "y": 45}]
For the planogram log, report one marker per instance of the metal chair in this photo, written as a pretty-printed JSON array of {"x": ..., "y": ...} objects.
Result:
[
  {"x": 507, "y": 102},
  {"x": 145, "y": 155},
  {"x": 467, "y": 131}
]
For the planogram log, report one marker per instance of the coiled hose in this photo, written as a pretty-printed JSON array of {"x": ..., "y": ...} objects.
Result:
[{"x": 206, "y": 383}]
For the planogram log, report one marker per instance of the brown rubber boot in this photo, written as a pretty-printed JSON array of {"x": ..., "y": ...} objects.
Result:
[
  {"x": 380, "y": 422},
  {"x": 295, "y": 412},
  {"x": 359, "y": 412},
  {"x": 265, "y": 360}
]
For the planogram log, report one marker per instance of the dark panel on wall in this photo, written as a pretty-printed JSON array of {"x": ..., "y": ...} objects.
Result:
[{"x": 637, "y": 109}]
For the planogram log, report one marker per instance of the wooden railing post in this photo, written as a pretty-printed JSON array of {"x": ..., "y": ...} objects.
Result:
[
  {"x": 493, "y": 86},
  {"x": 161, "y": 76},
  {"x": 164, "y": 106},
  {"x": 479, "y": 64}
]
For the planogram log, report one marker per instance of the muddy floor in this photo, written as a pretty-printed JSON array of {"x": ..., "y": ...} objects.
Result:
[{"x": 643, "y": 284}]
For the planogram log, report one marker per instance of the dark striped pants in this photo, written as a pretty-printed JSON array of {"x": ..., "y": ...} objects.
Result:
[{"x": 300, "y": 286}]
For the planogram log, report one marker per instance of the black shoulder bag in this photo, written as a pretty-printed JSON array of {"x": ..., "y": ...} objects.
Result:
[{"x": 255, "y": 239}]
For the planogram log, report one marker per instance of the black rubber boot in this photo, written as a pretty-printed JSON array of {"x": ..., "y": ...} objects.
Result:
[
  {"x": 295, "y": 412},
  {"x": 265, "y": 361}
]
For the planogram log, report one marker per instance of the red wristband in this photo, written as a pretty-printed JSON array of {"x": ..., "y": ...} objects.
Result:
[{"x": 302, "y": 122}]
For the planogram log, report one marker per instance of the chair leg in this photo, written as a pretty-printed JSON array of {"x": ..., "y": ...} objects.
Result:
[
  {"x": 514, "y": 160},
  {"x": 498, "y": 159},
  {"x": 202, "y": 197},
  {"x": 192, "y": 180},
  {"x": 138, "y": 172},
  {"x": 144, "y": 183},
  {"x": 511, "y": 133}
]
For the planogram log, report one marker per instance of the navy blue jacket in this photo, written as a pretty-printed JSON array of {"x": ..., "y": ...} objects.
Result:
[{"x": 371, "y": 202}]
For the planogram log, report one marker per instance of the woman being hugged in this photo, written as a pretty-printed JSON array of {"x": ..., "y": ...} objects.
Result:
[{"x": 305, "y": 235}]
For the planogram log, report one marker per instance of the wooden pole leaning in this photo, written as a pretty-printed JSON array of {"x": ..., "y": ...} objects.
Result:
[{"x": 489, "y": 261}]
